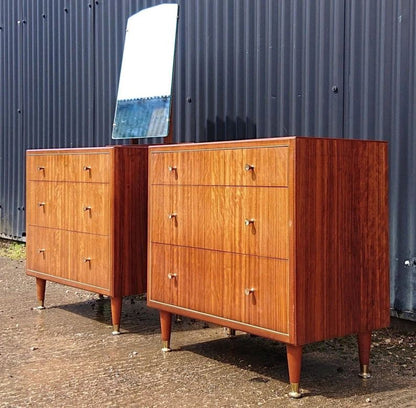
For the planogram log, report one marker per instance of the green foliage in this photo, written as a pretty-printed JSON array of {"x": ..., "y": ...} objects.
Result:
[{"x": 12, "y": 250}]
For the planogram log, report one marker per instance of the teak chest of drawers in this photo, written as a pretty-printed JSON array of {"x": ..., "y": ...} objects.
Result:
[
  {"x": 285, "y": 238},
  {"x": 86, "y": 220}
]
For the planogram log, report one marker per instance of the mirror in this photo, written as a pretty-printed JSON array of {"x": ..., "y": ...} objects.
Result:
[{"x": 144, "y": 91}]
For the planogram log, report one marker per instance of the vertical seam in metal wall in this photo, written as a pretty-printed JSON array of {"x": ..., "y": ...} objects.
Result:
[
  {"x": 344, "y": 73},
  {"x": 20, "y": 112},
  {"x": 94, "y": 78}
]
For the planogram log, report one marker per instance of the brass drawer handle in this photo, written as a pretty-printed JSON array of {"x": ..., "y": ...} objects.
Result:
[
  {"x": 41, "y": 168},
  {"x": 85, "y": 260},
  {"x": 172, "y": 216},
  {"x": 42, "y": 204},
  {"x": 87, "y": 168},
  {"x": 249, "y": 221},
  {"x": 172, "y": 169},
  {"x": 172, "y": 275},
  {"x": 42, "y": 250},
  {"x": 249, "y": 167},
  {"x": 87, "y": 208},
  {"x": 248, "y": 291}
]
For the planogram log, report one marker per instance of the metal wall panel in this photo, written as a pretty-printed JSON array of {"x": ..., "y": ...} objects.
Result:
[
  {"x": 58, "y": 77},
  {"x": 252, "y": 69},
  {"x": 11, "y": 148},
  {"x": 243, "y": 69},
  {"x": 380, "y": 103}
]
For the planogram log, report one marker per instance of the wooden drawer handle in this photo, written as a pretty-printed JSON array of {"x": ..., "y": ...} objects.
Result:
[
  {"x": 172, "y": 275},
  {"x": 248, "y": 291},
  {"x": 249, "y": 221},
  {"x": 249, "y": 167}
]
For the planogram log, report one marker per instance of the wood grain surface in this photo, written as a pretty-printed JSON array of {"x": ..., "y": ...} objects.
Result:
[
  {"x": 87, "y": 218},
  {"x": 322, "y": 204}
]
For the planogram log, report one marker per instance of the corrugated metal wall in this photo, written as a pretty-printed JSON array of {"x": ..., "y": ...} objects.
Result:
[
  {"x": 11, "y": 126},
  {"x": 243, "y": 66},
  {"x": 244, "y": 69}
]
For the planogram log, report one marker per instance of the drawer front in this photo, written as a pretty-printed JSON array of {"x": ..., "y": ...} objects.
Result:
[
  {"x": 89, "y": 260},
  {"x": 88, "y": 208},
  {"x": 47, "y": 251},
  {"x": 46, "y": 167},
  {"x": 72, "y": 206},
  {"x": 85, "y": 167},
  {"x": 74, "y": 257},
  {"x": 45, "y": 204},
  {"x": 234, "y": 219},
  {"x": 242, "y": 288},
  {"x": 234, "y": 167}
]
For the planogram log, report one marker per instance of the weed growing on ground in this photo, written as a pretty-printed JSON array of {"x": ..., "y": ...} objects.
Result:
[{"x": 12, "y": 249}]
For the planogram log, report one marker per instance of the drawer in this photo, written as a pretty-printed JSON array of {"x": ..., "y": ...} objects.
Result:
[
  {"x": 74, "y": 257},
  {"x": 247, "y": 289},
  {"x": 244, "y": 220},
  {"x": 85, "y": 167},
  {"x": 89, "y": 259},
  {"x": 266, "y": 166},
  {"x": 88, "y": 208},
  {"x": 179, "y": 276},
  {"x": 80, "y": 207},
  {"x": 45, "y": 204},
  {"x": 47, "y": 251},
  {"x": 46, "y": 167}
]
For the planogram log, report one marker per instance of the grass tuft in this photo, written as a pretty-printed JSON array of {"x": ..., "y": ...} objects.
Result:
[{"x": 12, "y": 249}]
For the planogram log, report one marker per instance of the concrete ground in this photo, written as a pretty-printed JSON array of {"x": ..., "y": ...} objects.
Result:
[{"x": 65, "y": 356}]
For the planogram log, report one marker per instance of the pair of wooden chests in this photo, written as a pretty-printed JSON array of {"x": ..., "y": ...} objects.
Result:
[{"x": 285, "y": 238}]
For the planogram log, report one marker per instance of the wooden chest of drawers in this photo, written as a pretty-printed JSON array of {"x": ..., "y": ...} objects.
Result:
[
  {"x": 285, "y": 238},
  {"x": 86, "y": 220}
]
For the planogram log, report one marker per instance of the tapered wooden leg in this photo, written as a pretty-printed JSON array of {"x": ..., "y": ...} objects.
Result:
[
  {"x": 294, "y": 362},
  {"x": 40, "y": 292},
  {"x": 116, "y": 302},
  {"x": 364, "y": 345},
  {"x": 165, "y": 328}
]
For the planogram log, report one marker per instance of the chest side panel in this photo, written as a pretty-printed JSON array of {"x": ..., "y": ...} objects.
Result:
[{"x": 342, "y": 251}]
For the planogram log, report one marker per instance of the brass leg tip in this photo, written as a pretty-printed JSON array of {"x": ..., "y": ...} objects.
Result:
[
  {"x": 116, "y": 330},
  {"x": 41, "y": 305},
  {"x": 364, "y": 372},
  {"x": 294, "y": 391},
  {"x": 166, "y": 346}
]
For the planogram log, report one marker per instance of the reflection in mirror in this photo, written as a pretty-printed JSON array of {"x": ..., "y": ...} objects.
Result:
[{"x": 144, "y": 91}]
